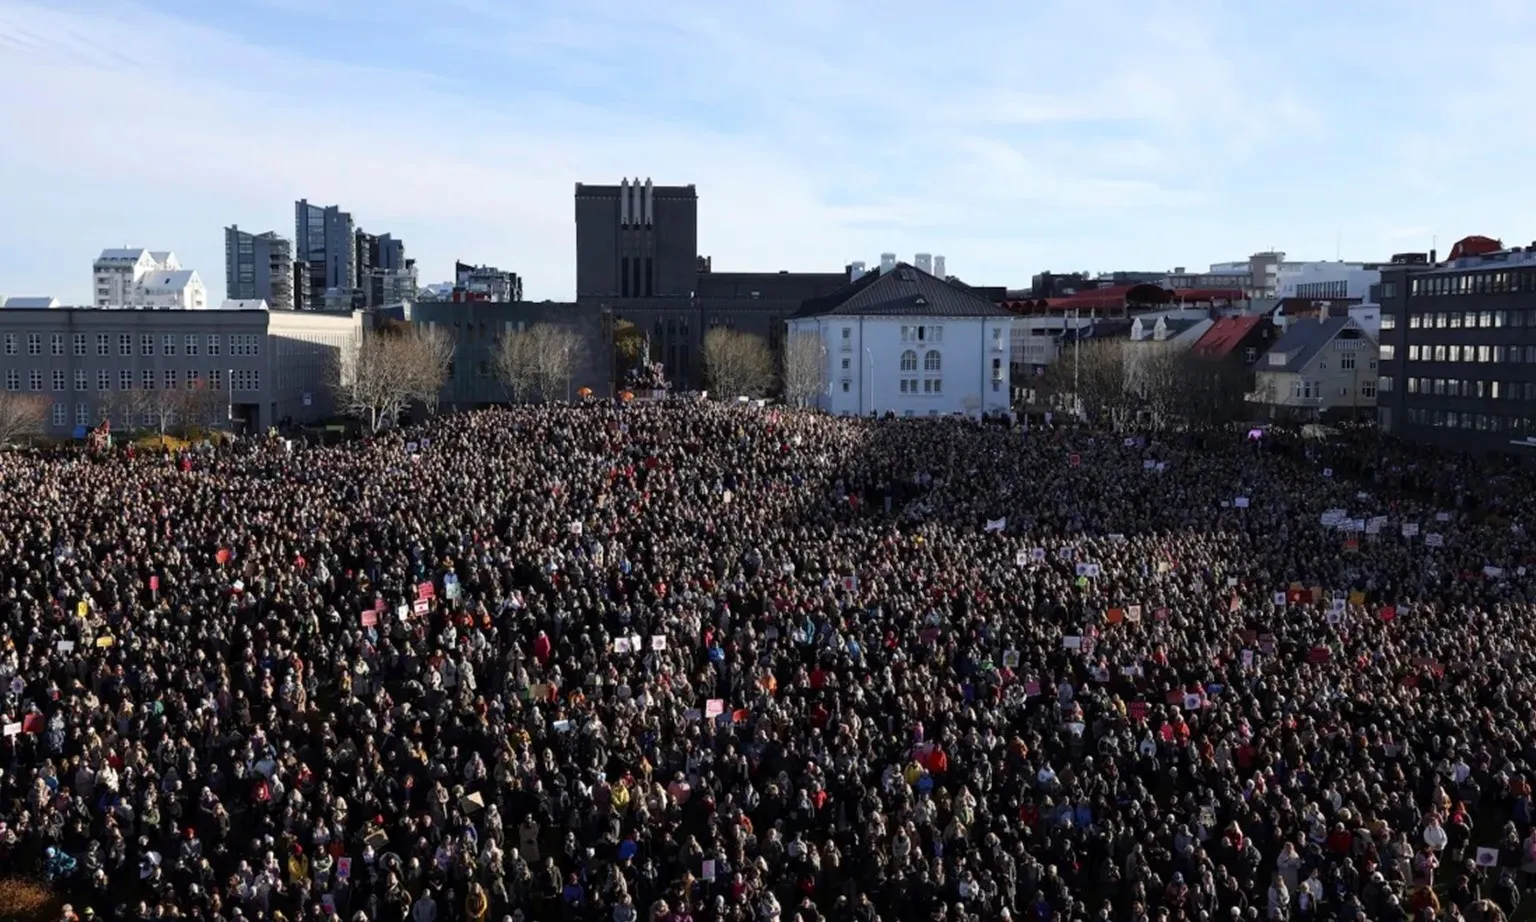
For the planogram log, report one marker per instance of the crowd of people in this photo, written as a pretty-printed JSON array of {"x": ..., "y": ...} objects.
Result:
[{"x": 697, "y": 662}]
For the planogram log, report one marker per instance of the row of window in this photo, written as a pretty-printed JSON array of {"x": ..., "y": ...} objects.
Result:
[
  {"x": 1483, "y": 282},
  {"x": 170, "y": 379},
  {"x": 1322, "y": 290},
  {"x": 932, "y": 361},
  {"x": 927, "y": 333},
  {"x": 1513, "y": 355},
  {"x": 1463, "y": 320},
  {"x": 189, "y": 343},
  {"x": 59, "y": 416},
  {"x": 928, "y": 386},
  {"x": 1313, "y": 390},
  {"x": 1482, "y": 422},
  {"x": 1475, "y": 388}
]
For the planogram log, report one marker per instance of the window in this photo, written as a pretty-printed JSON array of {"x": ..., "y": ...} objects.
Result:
[
  {"x": 35, "y": 379},
  {"x": 216, "y": 379},
  {"x": 213, "y": 344},
  {"x": 13, "y": 379},
  {"x": 1413, "y": 386},
  {"x": 10, "y": 344},
  {"x": 125, "y": 380},
  {"x": 170, "y": 379},
  {"x": 168, "y": 344},
  {"x": 846, "y": 364},
  {"x": 194, "y": 378},
  {"x": 56, "y": 344},
  {"x": 1440, "y": 353},
  {"x": 103, "y": 344},
  {"x": 932, "y": 361},
  {"x": 147, "y": 344},
  {"x": 933, "y": 385},
  {"x": 82, "y": 380},
  {"x": 60, "y": 414},
  {"x": 34, "y": 344},
  {"x": 79, "y": 341},
  {"x": 1250, "y": 355},
  {"x": 909, "y": 360},
  {"x": 191, "y": 344},
  {"x": 147, "y": 379},
  {"x": 1388, "y": 321},
  {"x": 1388, "y": 352},
  {"x": 847, "y": 339},
  {"x": 1384, "y": 384},
  {"x": 103, "y": 380},
  {"x": 82, "y": 414},
  {"x": 125, "y": 344},
  {"x": 1347, "y": 361},
  {"x": 903, "y": 385},
  {"x": 147, "y": 418},
  {"x": 846, "y": 385},
  {"x": 1485, "y": 353},
  {"x": 997, "y": 339}
]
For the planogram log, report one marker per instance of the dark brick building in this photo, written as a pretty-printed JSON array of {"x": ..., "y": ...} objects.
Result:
[
  {"x": 1458, "y": 348},
  {"x": 637, "y": 257}
]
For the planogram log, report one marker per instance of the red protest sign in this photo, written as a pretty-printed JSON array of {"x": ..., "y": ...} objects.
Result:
[
  {"x": 154, "y": 584},
  {"x": 425, "y": 591},
  {"x": 1075, "y": 459},
  {"x": 370, "y": 617}
]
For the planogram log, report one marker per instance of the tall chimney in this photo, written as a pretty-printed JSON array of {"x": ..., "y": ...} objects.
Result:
[
  {"x": 924, "y": 261},
  {"x": 650, "y": 203},
  {"x": 855, "y": 271},
  {"x": 938, "y": 267},
  {"x": 638, "y": 208},
  {"x": 887, "y": 262},
  {"x": 624, "y": 203}
]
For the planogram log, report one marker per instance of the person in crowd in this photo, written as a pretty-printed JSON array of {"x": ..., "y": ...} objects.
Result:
[{"x": 696, "y": 661}]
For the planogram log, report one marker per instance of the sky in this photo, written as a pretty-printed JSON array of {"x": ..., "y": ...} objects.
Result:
[{"x": 1011, "y": 137}]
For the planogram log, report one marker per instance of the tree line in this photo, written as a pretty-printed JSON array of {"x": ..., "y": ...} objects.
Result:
[{"x": 1118, "y": 383}]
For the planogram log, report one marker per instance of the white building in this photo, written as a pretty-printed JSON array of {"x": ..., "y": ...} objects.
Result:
[
  {"x": 1327, "y": 281},
  {"x": 908, "y": 343},
  {"x": 140, "y": 278}
]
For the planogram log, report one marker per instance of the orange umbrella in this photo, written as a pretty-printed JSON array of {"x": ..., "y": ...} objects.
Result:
[
  {"x": 584, "y": 392},
  {"x": 627, "y": 396}
]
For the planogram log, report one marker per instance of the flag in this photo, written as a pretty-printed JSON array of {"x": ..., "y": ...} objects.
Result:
[{"x": 996, "y": 524}]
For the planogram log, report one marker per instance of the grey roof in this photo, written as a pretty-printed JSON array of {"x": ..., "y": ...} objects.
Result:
[
  {"x": 1303, "y": 340},
  {"x": 129, "y": 253},
  {"x": 160, "y": 256},
  {"x": 29, "y": 303},
  {"x": 905, "y": 291},
  {"x": 177, "y": 279}
]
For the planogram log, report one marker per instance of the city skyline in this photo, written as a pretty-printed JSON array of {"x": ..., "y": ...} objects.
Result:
[{"x": 1121, "y": 136}]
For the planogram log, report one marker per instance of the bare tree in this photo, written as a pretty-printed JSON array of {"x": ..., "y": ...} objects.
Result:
[
  {"x": 201, "y": 404},
  {"x": 372, "y": 378},
  {"x": 126, "y": 408},
  {"x": 21, "y": 414},
  {"x": 1100, "y": 378},
  {"x": 517, "y": 363},
  {"x": 541, "y": 360},
  {"x": 561, "y": 350},
  {"x": 165, "y": 405},
  {"x": 427, "y": 353},
  {"x": 738, "y": 364},
  {"x": 805, "y": 368}
]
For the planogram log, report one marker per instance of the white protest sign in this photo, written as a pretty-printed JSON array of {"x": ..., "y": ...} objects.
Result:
[
  {"x": 1241, "y": 502},
  {"x": 1410, "y": 529},
  {"x": 1434, "y": 540}
]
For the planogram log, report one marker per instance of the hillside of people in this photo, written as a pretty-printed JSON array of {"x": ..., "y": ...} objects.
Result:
[{"x": 692, "y": 662}]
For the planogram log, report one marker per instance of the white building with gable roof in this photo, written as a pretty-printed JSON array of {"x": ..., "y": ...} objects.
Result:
[{"x": 135, "y": 277}]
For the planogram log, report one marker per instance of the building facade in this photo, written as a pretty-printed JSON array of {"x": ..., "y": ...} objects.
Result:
[
  {"x": 1459, "y": 351},
  {"x": 325, "y": 238},
  {"x": 136, "y": 277},
  {"x": 134, "y": 367},
  {"x": 907, "y": 343},
  {"x": 476, "y": 328},
  {"x": 258, "y": 267},
  {"x": 1318, "y": 369},
  {"x": 637, "y": 258}
]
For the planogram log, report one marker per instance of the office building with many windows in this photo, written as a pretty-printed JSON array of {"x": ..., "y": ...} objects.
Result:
[
  {"x": 325, "y": 238},
  {"x": 1458, "y": 349},
  {"x": 137, "y": 367},
  {"x": 258, "y": 267}
]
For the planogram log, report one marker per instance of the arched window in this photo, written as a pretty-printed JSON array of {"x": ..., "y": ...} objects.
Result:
[
  {"x": 932, "y": 361},
  {"x": 909, "y": 360}
]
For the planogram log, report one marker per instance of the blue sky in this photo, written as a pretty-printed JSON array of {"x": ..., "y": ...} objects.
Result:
[{"x": 1011, "y": 137}]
